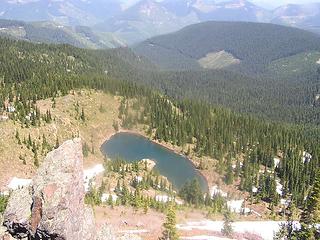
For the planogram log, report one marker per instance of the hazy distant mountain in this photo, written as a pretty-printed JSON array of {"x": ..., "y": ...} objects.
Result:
[
  {"x": 148, "y": 18},
  {"x": 236, "y": 10},
  {"x": 70, "y": 12},
  {"x": 305, "y": 16},
  {"x": 48, "y": 32}
]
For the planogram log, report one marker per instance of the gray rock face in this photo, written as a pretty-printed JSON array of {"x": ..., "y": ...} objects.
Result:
[
  {"x": 53, "y": 206},
  {"x": 4, "y": 235}
]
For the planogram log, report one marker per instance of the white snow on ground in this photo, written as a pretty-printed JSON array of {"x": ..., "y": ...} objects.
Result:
[
  {"x": 285, "y": 202},
  {"x": 17, "y": 183},
  {"x": 89, "y": 174},
  {"x": 276, "y": 162},
  {"x": 215, "y": 190},
  {"x": 279, "y": 187},
  {"x": 306, "y": 158},
  {"x": 254, "y": 189},
  {"x": 138, "y": 179},
  {"x": 318, "y": 62},
  {"x": 265, "y": 229},
  {"x": 165, "y": 198},
  {"x": 5, "y": 193},
  {"x": 236, "y": 206},
  {"x": 105, "y": 197}
]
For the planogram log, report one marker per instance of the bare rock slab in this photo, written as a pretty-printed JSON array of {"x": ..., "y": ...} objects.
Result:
[{"x": 53, "y": 206}]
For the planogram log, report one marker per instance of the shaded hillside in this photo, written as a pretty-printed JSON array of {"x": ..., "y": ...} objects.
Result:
[
  {"x": 292, "y": 100},
  {"x": 254, "y": 44}
]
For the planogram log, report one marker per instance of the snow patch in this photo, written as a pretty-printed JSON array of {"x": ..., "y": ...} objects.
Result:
[
  {"x": 306, "y": 157},
  {"x": 318, "y": 62},
  {"x": 236, "y": 206},
  {"x": 215, "y": 190},
  {"x": 285, "y": 202},
  {"x": 89, "y": 174},
  {"x": 279, "y": 188},
  {"x": 17, "y": 183},
  {"x": 138, "y": 179},
  {"x": 165, "y": 198},
  {"x": 265, "y": 229},
  {"x": 276, "y": 162},
  {"x": 105, "y": 197},
  {"x": 204, "y": 7},
  {"x": 254, "y": 189}
]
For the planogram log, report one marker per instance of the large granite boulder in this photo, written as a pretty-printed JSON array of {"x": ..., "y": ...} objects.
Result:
[{"x": 53, "y": 206}]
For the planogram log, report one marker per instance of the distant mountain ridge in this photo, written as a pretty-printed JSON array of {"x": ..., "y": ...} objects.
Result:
[
  {"x": 148, "y": 18},
  {"x": 49, "y": 32},
  {"x": 68, "y": 12},
  {"x": 304, "y": 16}
]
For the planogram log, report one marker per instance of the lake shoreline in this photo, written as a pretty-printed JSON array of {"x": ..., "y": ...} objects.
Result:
[{"x": 165, "y": 145}]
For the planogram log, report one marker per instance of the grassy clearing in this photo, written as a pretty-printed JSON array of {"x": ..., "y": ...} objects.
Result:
[
  {"x": 100, "y": 111},
  {"x": 296, "y": 64},
  {"x": 218, "y": 60}
]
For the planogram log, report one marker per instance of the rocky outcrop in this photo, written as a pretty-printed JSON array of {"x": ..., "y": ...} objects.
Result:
[
  {"x": 3, "y": 231},
  {"x": 53, "y": 206}
]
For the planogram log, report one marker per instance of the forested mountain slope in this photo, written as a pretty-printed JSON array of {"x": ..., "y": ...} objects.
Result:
[
  {"x": 290, "y": 101},
  {"x": 30, "y": 72},
  {"x": 254, "y": 44},
  {"x": 282, "y": 100},
  {"x": 138, "y": 20},
  {"x": 50, "y": 32}
]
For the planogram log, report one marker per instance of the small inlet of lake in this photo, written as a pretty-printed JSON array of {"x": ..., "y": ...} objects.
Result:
[{"x": 133, "y": 147}]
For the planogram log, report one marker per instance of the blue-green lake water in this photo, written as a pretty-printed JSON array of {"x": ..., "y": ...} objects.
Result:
[{"x": 132, "y": 147}]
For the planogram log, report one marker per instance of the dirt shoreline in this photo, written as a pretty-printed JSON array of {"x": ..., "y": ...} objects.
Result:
[{"x": 162, "y": 144}]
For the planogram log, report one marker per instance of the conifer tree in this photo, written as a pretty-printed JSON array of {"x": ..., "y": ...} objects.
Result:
[
  {"x": 311, "y": 214},
  {"x": 227, "y": 229},
  {"x": 170, "y": 230}
]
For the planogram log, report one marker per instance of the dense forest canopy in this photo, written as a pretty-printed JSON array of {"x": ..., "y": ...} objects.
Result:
[
  {"x": 292, "y": 99},
  {"x": 254, "y": 44}
]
